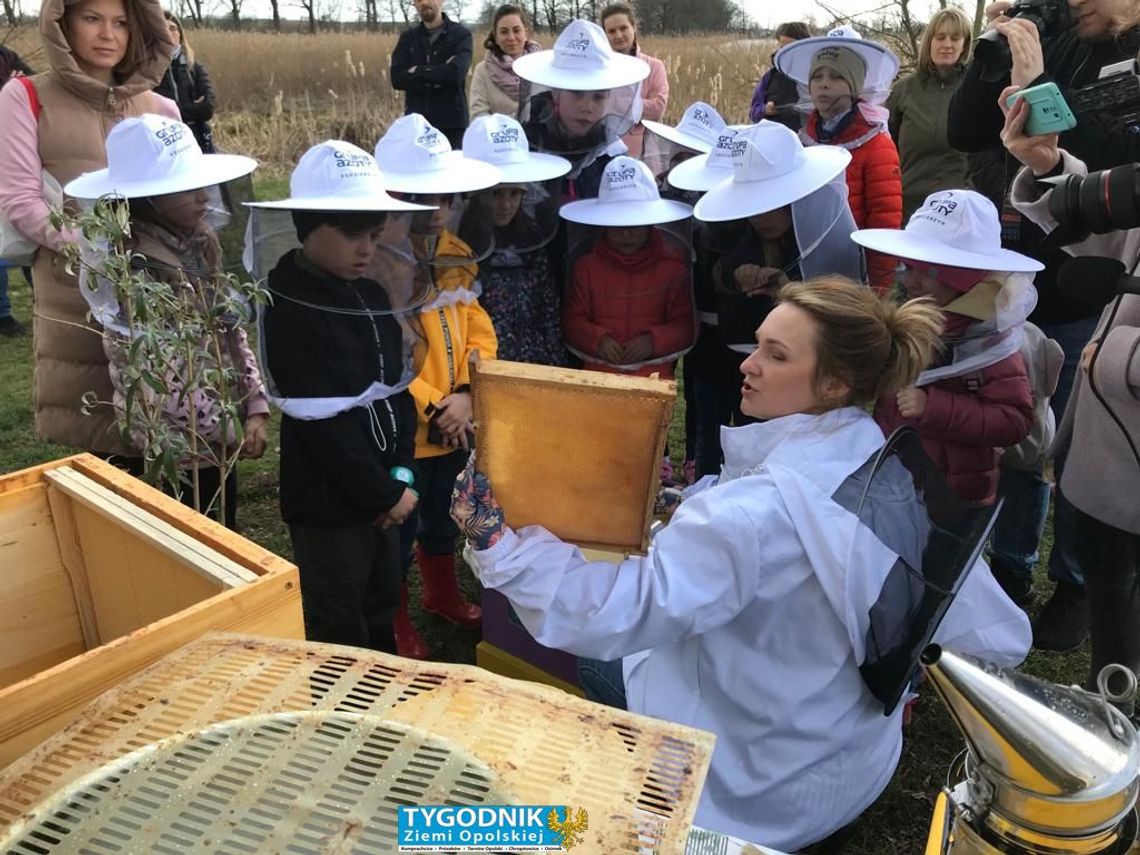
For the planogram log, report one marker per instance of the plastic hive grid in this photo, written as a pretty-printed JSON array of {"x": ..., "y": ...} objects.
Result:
[
  {"x": 639, "y": 778},
  {"x": 578, "y": 452}
]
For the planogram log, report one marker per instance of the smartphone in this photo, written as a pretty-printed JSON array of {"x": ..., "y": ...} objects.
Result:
[{"x": 1048, "y": 112}]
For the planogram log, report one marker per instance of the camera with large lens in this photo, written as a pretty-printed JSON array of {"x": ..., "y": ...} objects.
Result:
[
  {"x": 1051, "y": 17},
  {"x": 1096, "y": 203}
]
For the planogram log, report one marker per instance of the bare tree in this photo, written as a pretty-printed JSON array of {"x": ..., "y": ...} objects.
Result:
[
  {"x": 235, "y": 13},
  {"x": 193, "y": 11},
  {"x": 310, "y": 7},
  {"x": 276, "y": 7},
  {"x": 11, "y": 14},
  {"x": 979, "y": 17}
]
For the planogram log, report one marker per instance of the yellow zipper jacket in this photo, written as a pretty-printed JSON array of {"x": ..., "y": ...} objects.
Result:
[{"x": 451, "y": 333}]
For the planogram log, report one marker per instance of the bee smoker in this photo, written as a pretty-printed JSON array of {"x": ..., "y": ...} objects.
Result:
[{"x": 1048, "y": 770}]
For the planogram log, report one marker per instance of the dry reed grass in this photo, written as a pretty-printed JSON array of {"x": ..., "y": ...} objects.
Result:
[{"x": 278, "y": 94}]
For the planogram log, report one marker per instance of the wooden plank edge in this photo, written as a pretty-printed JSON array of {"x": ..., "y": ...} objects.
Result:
[
  {"x": 71, "y": 554},
  {"x": 183, "y": 548},
  {"x": 229, "y": 543}
]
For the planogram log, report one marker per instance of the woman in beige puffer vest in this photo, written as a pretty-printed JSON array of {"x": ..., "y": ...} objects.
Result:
[{"x": 104, "y": 56}]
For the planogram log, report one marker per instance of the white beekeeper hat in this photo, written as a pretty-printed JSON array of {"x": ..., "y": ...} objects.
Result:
[
  {"x": 957, "y": 228},
  {"x": 152, "y": 155},
  {"x": 337, "y": 176},
  {"x": 582, "y": 60},
  {"x": 628, "y": 196},
  {"x": 500, "y": 140},
  {"x": 795, "y": 59},
  {"x": 703, "y": 172},
  {"x": 414, "y": 157},
  {"x": 770, "y": 169},
  {"x": 698, "y": 129}
]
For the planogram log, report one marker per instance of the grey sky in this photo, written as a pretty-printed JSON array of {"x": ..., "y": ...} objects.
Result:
[{"x": 763, "y": 12}]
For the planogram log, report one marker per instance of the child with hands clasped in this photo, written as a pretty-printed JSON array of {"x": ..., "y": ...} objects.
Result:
[
  {"x": 339, "y": 365},
  {"x": 629, "y": 305},
  {"x": 975, "y": 399}
]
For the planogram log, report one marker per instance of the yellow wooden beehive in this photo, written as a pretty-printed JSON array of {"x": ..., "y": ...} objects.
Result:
[
  {"x": 101, "y": 575},
  {"x": 578, "y": 452}
]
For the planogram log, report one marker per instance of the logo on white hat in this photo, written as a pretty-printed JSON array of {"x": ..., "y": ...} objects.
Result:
[
  {"x": 506, "y": 136},
  {"x": 359, "y": 159},
  {"x": 627, "y": 180},
  {"x": 961, "y": 218},
  {"x": 577, "y": 45},
  {"x": 172, "y": 134}
]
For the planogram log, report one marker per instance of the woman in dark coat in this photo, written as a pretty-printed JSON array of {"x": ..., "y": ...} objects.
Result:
[{"x": 187, "y": 84}]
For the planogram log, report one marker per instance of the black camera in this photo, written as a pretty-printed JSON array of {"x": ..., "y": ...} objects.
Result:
[
  {"x": 1097, "y": 203},
  {"x": 1113, "y": 101},
  {"x": 1051, "y": 18}
]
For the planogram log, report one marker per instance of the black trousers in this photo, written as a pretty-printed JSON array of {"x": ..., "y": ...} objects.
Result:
[
  {"x": 431, "y": 523},
  {"x": 1110, "y": 558},
  {"x": 350, "y": 583}
]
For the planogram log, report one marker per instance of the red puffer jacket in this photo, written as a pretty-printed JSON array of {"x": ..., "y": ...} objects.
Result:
[
  {"x": 967, "y": 423},
  {"x": 625, "y": 296},
  {"x": 874, "y": 183}
]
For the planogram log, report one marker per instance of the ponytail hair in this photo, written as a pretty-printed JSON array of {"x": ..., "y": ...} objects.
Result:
[{"x": 871, "y": 345}]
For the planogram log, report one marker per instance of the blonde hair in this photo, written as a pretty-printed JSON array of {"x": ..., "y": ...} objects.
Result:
[
  {"x": 187, "y": 51},
  {"x": 959, "y": 25},
  {"x": 1125, "y": 20},
  {"x": 865, "y": 341}
]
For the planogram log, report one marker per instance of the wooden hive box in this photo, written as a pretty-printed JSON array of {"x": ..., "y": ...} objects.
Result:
[
  {"x": 100, "y": 576},
  {"x": 578, "y": 452}
]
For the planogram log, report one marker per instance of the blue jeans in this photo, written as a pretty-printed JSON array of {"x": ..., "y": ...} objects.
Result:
[
  {"x": 1063, "y": 563},
  {"x": 603, "y": 682},
  {"x": 5, "y": 303},
  {"x": 1021, "y": 522},
  {"x": 1017, "y": 532}
]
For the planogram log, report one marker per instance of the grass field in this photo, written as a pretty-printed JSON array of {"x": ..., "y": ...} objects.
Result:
[{"x": 897, "y": 822}]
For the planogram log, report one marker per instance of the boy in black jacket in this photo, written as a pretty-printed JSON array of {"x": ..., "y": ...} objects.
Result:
[{"x": 336, "y": 356}]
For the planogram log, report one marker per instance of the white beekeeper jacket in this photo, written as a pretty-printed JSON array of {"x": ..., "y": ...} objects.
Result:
[{"x": 747, "y": 619}]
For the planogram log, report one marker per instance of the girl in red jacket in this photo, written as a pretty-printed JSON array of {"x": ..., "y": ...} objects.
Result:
[
  {"x": 629, "y": 302},
  {"x": 975, "y": 399},
  {"x": 846, "y": 78}
]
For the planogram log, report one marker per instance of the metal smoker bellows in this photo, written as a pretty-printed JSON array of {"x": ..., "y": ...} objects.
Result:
[{"x": 1048, "y": 770}]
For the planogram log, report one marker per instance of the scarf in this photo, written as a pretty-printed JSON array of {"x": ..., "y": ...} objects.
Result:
[{"x": 502, "y": 72}]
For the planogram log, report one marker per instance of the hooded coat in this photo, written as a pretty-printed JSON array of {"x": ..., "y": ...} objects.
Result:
[
  {"x": 874, "y": 179},
  {"x": 76, "y": 114}
]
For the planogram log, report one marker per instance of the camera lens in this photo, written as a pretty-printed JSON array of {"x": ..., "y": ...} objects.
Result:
[{"x": 1097, "y": 203}]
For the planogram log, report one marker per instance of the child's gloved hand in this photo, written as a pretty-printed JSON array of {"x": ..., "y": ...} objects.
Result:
[{"x": 474, "y": 509}]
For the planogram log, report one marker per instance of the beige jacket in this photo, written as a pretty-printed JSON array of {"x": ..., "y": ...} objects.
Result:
[
  {"x": 77, "y": 114},
  {"x": 486, "y": 98},
  {"x": 1101, "y": 473}
]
